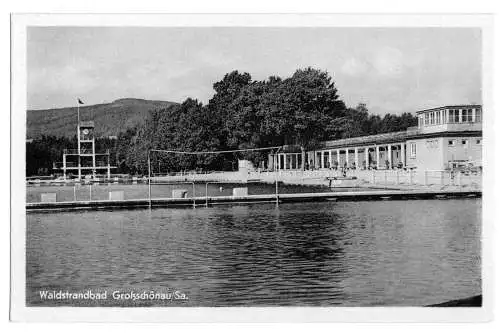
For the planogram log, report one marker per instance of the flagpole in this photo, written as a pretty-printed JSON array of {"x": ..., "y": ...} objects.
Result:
[
  {"x": 78, "y": 111},
  {"x": 78, "y": 138}
]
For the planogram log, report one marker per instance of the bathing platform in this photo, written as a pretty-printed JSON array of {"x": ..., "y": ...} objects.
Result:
[{"x": 204, "y": 201}]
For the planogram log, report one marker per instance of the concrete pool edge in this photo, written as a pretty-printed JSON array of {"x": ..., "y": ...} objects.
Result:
[{"x": 267, "y": 198}]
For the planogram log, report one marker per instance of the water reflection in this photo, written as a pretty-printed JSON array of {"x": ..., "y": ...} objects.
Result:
[{"x": 321, "y": 254}]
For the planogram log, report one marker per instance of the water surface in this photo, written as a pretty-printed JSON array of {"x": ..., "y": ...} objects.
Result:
[{"x": 376, "y": 253}]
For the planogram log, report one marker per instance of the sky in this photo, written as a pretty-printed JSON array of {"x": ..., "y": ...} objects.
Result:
[{"x": 392, "y": 70}]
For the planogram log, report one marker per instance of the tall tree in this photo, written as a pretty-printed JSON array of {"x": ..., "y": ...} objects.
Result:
[
  {"x": 226, "y": 91},
  {"x": 301, "y": 109}
]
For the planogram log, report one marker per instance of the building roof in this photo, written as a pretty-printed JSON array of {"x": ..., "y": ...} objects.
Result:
[
  {"x": 392, "y": 137},
  {"x": 369, "y": 139},
  {"x": 459, "y": 106}
]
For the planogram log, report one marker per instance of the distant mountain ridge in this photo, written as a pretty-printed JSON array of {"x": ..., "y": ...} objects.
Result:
[{"x": 110, "y": 118}]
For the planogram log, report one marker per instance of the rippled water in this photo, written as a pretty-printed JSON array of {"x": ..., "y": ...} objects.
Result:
[{"x": 389, "y": 253}]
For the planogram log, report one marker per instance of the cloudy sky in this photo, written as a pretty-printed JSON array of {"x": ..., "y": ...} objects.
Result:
[{"x": 390, "y": 69}]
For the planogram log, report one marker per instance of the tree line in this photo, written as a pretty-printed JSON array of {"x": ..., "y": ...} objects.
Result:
[{"x": 301, "y": 111}]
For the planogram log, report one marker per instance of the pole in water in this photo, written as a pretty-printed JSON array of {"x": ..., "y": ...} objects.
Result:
[
  {"x": 276, "y": 181},
  {"x": 206, "y": 194},
  {"x": 194, "y": 198},
  {"x": 277, "y": 198}
]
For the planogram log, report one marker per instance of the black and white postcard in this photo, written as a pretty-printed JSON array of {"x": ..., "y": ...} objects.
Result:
[{"x": 251, "y": 167}]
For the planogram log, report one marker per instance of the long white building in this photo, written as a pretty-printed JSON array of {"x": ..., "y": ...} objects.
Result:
[{"x": 445, "y": 138}]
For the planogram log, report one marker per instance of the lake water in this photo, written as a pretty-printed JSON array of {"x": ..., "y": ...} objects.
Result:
[{"x": 376, "y": 253}]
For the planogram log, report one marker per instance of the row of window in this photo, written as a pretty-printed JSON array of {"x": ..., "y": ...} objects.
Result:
[
  {"x": 434, "y": 144},
  {"x": 464, "y": 142},
  {"x": 467, "y": 115},
  {"x": 453, "y": 116}
]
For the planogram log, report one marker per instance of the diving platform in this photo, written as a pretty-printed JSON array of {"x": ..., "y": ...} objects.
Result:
[{"x": 85, "y": 161}]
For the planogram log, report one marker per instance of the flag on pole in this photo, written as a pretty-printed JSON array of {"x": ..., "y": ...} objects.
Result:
[{"x": 78, "y": 111}]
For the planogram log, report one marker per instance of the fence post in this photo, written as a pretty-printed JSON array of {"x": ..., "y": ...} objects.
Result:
[
  {"x": 74, "y": 192},
  {"x": 90, "y": 192}
]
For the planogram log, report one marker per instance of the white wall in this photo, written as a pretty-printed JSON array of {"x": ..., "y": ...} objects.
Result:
[
  {"x": 470, "y": 151},
  {"x": 429, "y": 154},
  {"x": 435, "y": 153}
]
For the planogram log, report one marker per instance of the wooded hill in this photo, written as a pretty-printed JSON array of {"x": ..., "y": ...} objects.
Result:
[
  {"x": 110, "y": 119},
  {"x": 301, "y": 110}
]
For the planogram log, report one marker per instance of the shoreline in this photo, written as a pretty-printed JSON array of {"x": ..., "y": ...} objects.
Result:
[
  {"x": 474, "y": 301},
  {"x": 205, "y": 201}
]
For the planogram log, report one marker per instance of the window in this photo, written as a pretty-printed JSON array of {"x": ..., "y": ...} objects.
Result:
[
  {"x": 451, "y": 142},
  {"x": 431, "y": 143},
  {"x": 453, "y": 116},
  {"x": 465, "y": 142},
  {"x": 413, "y": 150},
  {"x": 467, "y": 116},
  {"x": 478, "y": 115},
  {"x": 432, "y": 118},
  {"x": 427, "y": 119}
]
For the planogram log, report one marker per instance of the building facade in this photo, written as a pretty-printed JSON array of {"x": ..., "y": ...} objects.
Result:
[{"x": 445, "y": 138}]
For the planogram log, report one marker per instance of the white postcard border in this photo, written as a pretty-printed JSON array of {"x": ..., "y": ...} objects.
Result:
[{"x": 19, "y": 311}]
